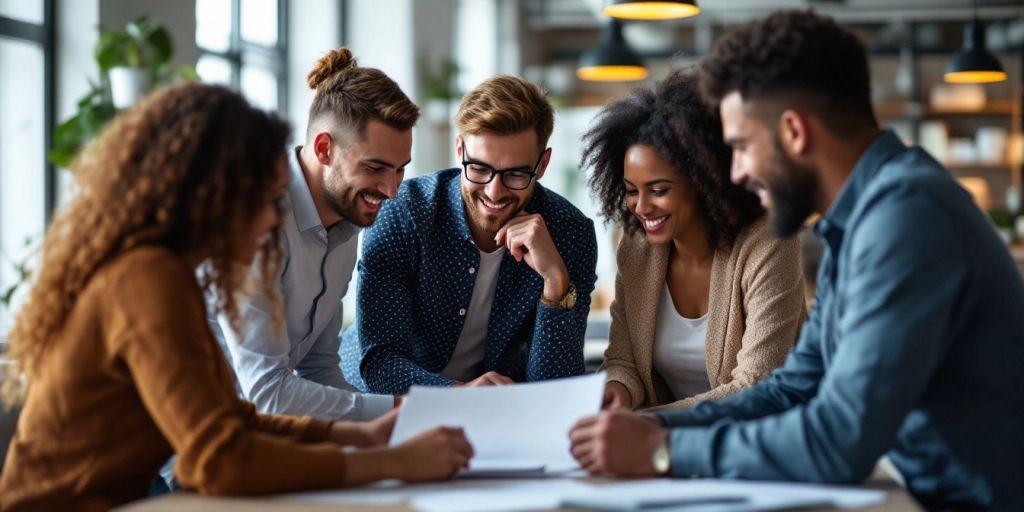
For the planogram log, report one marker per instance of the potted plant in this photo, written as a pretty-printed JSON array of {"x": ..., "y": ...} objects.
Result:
[
  {"x": 439, "y": 89},
  {"x": 132, "y": 61}
]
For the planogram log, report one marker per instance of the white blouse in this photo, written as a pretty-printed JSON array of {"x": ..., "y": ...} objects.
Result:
[{"x": 679, "y": 353}]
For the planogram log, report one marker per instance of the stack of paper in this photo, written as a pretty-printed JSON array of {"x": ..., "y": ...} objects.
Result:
[{"x": 520, "y": 429}]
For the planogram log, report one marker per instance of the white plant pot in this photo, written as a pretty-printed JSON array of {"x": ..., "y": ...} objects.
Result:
[
  {"x": 435, "y": 111},
  {"x": 127, "y": 85}
]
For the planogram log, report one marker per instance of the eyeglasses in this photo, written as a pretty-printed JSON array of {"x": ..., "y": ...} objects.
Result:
[{"x": 513, "y": 179}]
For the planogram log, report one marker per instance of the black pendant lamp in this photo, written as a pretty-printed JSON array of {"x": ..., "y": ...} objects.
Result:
[
  {"x": 612, "y": 60},
  {"x": 651, "y": 10},
  {"x": 973, "y": 63}
]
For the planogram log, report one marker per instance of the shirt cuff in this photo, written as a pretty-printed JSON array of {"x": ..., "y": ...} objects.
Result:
[
  {"x": 374, "y": 406},
  {"x": 690, "y": 448}
]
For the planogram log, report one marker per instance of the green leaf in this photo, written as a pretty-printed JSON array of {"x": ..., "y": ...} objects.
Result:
[{"x": 162, "y": 45}]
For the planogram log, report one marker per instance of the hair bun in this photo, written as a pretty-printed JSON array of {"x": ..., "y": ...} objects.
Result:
[{"x": 333, "y": 62}]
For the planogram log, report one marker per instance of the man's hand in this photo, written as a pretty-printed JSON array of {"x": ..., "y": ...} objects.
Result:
[
  {"x": 527, "y": 239},
  {"x": 616, "y": 396},
  {"x": 487, "y": 379},
  {"x": 617, "y": 443},
  {"x": 364, "y": 434}
]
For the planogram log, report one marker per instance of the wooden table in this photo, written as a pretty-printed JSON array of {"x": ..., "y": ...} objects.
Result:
[{"x": 899, "y": 500}]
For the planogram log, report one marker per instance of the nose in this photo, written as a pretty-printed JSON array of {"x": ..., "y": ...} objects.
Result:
[
  {"x": 389, "y": 186},
  {"x": 495, "y": 189},
  {"x": 643, "y": 204},
  {"x": 737, "y": 173}
]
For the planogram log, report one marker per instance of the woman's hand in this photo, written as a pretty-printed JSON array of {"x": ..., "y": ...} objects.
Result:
[
  {"x": 616, "y": 396},
  {"x": 437, "y": 454}
]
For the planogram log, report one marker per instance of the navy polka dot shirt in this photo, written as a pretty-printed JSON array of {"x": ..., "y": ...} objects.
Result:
[{"x": 416, "y": 277}]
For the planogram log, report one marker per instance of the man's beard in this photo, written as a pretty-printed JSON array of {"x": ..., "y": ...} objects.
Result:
[
  {"x": 489, "y": 223},
  {"x": 792, "y": 193},
  {"x": 344, "y": 202}
]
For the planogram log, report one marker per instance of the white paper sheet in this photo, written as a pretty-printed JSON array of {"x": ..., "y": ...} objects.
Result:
[
  {"x": 750, "y": 496},
  {"x": 550, "y": 493},
  {"x": 514, "y": 427}
]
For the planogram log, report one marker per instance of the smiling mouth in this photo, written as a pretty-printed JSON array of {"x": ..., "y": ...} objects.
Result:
[
  {"x": 655, "y": 223},
  {"x": 495, "y": 206},
  {"x": 373, "y": 201}
]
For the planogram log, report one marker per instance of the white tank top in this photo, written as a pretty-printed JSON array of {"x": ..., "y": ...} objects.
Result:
[{"x": 679, "y": 353}]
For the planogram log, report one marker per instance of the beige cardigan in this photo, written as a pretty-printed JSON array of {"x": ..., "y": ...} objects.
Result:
[{"x": 756, "y": 308}]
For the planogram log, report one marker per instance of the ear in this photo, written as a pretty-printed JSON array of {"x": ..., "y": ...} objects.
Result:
[
  {"x": 323, "y": 147},
  {"x": 544, "y": 161},
  {"x": 458, "y": 147},
  {"x": 794, "y": 132}
]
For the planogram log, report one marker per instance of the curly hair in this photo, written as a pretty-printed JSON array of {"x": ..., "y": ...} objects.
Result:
[
  {"x": 798, "y": 56},
  {"x": 674, "y": 121},
  {"x": 183, "y": 170}
]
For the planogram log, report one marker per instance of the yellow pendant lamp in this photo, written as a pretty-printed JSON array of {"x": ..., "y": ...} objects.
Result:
[
  {"x": 651, "y": 10},
  {"x": 612, "y": 60}
]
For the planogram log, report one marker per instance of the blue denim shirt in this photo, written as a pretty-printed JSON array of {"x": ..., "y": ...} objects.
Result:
[
  {"x": 911, "y": 350},
  {"x": 416, "y": 278}
]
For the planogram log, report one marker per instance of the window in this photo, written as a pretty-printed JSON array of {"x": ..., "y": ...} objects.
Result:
[
  {"x": 242, "y": 44},
  {"x": 27, "y": 179}
]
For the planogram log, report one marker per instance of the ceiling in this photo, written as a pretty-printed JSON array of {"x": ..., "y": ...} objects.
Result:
[{"x": 582, "y": 13}]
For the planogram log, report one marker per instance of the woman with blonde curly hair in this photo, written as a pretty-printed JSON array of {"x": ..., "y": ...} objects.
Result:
[{"x": 121, "y": 368}]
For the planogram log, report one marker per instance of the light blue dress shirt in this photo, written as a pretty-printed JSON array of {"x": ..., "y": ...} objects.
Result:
[
  {"x": 913, "y": 349},
  {"x": 296, "y": 370}
]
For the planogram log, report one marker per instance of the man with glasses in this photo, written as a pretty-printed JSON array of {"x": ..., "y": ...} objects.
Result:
[{"x": 476, "y": 275}]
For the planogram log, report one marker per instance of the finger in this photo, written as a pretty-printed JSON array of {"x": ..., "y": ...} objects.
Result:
[
  {"x": 586, "y": 421},
  {"x": 500, "y": 237},
  {"x": 503, "y": 379}
]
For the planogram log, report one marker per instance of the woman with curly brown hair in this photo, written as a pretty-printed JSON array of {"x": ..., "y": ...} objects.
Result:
[
  {"x": 706, "y": 301},
  {"x": 121, "y": 368}
]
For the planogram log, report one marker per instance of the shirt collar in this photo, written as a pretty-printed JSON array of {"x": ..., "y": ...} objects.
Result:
[
  {"x": 834, "y": 223},
  {"x": 303, "y": 207}
]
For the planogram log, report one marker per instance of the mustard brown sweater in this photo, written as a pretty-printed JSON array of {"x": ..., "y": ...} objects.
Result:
[{"x": 134, "y": 376}]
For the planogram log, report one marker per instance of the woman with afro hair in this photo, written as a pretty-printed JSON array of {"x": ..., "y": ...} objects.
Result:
[{"x": 707, "y": 302}]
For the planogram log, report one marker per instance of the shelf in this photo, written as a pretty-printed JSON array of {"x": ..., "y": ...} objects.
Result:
[
  {"x": 978, "y": 167},
  {"x": 890, "y": 109}
]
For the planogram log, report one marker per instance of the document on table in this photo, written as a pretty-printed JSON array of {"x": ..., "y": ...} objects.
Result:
[
  {"x": 663, "y": 494},
  {"x": 520, "y": 429}
]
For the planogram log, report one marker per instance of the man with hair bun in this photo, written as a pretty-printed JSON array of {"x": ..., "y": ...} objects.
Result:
[
  {"x": 358, "y": 142},
  {"x": 476, "y": 275}
]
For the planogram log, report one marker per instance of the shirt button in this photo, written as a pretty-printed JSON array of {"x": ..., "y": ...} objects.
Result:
[
  {"x": 472, "y": 270},
  {"x": 462, "y": 312}
]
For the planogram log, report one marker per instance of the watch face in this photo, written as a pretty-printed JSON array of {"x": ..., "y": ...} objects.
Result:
[
  {"x": 661, "y": 460},
  {"x": 570, "y": 298}
]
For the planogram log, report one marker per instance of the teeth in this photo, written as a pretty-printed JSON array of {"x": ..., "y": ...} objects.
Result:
[
  {"x": 372, "y": 200},
  {"x": 654, "y": 223},
  {"x": 495, "y": 206}
]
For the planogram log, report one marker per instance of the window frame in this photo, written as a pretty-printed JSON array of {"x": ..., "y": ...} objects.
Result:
[
  {"x": 44, "y": 35},
  {"x": 241, "y": 53}
]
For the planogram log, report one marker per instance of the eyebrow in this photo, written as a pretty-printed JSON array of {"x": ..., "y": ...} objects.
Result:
[
  {"x": 378, "y": 161},
  {"x": 656, "y": 181},
  {"x": 526, "y": 167}
]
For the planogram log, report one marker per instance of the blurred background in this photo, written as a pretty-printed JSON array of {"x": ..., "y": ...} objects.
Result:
[{"x": 67, "y": 66}]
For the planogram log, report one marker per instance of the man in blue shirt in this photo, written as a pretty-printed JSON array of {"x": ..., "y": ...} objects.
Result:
[
  {"x": 915, "y": 338},
  {"x": 476, "y": 275}
]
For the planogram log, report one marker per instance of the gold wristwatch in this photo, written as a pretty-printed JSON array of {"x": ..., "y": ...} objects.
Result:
[
  {"x": 566, "y": 302},
  {"x": 661, "y": 459}
]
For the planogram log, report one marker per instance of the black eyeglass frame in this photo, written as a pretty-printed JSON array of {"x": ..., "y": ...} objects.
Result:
[{"x": 531, "y": 173}]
